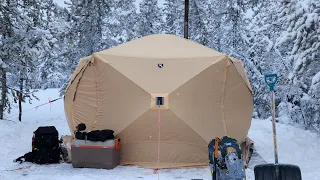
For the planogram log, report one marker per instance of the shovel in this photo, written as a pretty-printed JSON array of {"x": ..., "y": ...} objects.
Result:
[{"x": 275, "y": 171}]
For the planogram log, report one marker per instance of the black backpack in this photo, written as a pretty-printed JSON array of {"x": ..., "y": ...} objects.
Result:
[
  {"x": 45, "y": 147},
  {"x": 45, "y": 137}
]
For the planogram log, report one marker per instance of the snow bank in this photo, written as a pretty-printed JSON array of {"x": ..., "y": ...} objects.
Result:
[
  {"x": 49, "y": 114},
  {"x": 296, "y": 146}
]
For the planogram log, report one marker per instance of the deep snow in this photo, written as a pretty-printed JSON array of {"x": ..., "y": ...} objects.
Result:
[{"x": 296, "y": 146}]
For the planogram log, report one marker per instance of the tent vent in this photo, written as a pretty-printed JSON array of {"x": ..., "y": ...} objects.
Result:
[{"x": 160, "y": 101}]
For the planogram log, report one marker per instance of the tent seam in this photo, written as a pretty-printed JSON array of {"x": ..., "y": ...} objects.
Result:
[
  {"x": 188, "y": 125},
  {"x": 199, "y": 73},
  {"x": 97, "y": 95},
  {"x": 247, "y": 82},
  {"x": 222, "y": 98},
  {"x": 133, "y": 121},
  {"x": 110, "y": 64},
  {"x": 168, "y": 58}
]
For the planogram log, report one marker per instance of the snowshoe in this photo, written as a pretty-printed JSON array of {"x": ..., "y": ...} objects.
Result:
[{"x": 227, "y": 163}]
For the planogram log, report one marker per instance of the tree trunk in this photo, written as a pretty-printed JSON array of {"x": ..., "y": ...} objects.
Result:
[
  {"x": 20, "y": 98},
  {"x": 3, "y": 92}
]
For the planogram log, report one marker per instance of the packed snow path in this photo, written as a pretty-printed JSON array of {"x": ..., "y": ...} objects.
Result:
[{"x": 296, "y": 146}]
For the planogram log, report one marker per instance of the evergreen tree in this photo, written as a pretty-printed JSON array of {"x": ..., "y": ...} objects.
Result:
[
  {"x": 121, "y": 22},
  {"x": 174, "y": 16},
  {"x": 150, "y": 18},
  {"x": 300, "y": 43},
  {"x": 23, "y": 47},
  {"x": 53, "y": 70},
  {"x": 197, "y": 29},
  {"x": 87, "y": 26}
]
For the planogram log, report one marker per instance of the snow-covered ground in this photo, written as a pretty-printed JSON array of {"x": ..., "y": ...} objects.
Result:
[{"x": 296, "y": 146}]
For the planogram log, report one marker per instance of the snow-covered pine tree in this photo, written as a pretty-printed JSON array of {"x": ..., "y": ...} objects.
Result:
[
  {"x": 302, "y": 21},
  {"x": 233, "y": 13},
  {"x": 91, "y": 30},
  {"x": 224, "y": 22},
  {"x": 254, "y": 40},
  {"x": 53, "y": 70},
  {"x": 300, "y": 43},
  {"x": 174, "y": 15},
  {"x": 197, "y": 29},
  {"x": 253, "y": 48},
  {"x": 211, "y": 14},
  {"x": 6, "y": 30},
  {"x": 87, "y": 26},
  {"x": 280, "y": 35},
  {"x": 121, "y": 22},
  {"x": 312, "y": 105},
  {"x": 24, "y": 47},
  {"x": 150, "y": 18}
]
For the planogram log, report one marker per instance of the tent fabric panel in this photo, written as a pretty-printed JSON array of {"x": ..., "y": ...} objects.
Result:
[
  {"x": 198, "y": 102},
  {"x": 161, "y": 46},
  {"x": 238, "y": 105},
  {"x": 71, "y": 91},
  {"x": 171, "y": 155},
  {"x": 121, "y": 100},
  {"x": 146, "y": 73},
  {"x": 178, "y": 142},
  {"x": 84, "y": 104},
  {"x": 241, "y": 70}
]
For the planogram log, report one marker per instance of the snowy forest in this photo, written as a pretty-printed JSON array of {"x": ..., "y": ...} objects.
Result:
[{"x": 41, "y": 43}]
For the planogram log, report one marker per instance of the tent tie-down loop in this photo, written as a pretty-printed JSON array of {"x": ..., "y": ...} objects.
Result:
[{"x": 49, "y": 102}]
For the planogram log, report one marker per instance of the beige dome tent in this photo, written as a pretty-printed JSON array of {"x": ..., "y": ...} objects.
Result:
[{"x": 206, "y": 94}]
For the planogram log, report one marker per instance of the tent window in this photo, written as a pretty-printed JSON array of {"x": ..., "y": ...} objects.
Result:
[{"x": 159, "y": 101}]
